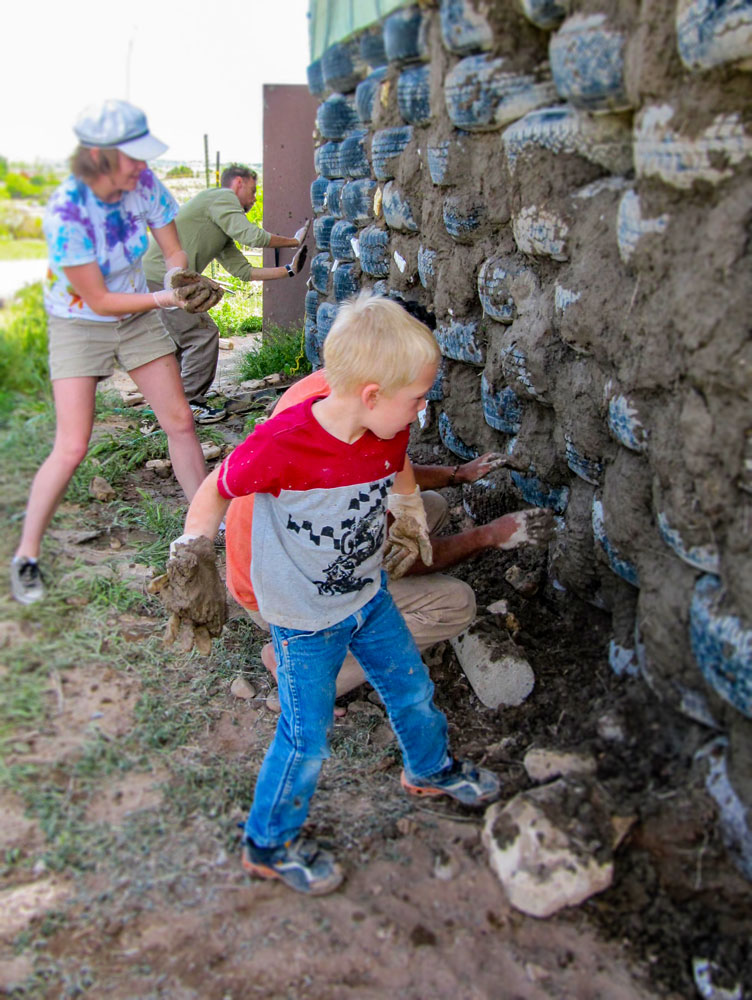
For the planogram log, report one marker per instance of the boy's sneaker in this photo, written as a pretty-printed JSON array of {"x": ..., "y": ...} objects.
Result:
[
  {"x": 463, "y": 781},
  {"x": 208, "y": 414},
  {"x": 301, "y": 864},
  {"x": 26, "y": 581}
]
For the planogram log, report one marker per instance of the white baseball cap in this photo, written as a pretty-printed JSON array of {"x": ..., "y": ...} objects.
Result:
[{"x": 118, "y": 125}]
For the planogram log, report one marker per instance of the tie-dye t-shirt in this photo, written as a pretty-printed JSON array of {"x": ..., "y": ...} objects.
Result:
[{"x": 81, "y": 229}]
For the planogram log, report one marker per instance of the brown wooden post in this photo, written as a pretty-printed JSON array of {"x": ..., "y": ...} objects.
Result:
[{"x": 289, "y": 119}]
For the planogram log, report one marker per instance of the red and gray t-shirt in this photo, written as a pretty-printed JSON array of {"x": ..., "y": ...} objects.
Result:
[{"x": 319, "y": 521}]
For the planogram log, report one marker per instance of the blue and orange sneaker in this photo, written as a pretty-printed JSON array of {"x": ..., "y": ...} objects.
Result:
[
  {"x": 463, "y": 781},
  {"x": 301, "y": 864}
]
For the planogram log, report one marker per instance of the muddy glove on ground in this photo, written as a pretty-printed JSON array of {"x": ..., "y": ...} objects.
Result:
[
  {"x": 194, "y": 292},
  {"x": 408, "y": 536},
  {"x": 193, "y": 593}
]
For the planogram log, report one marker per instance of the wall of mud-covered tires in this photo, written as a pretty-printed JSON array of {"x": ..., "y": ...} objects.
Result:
[{"x": 568, "y": 187}]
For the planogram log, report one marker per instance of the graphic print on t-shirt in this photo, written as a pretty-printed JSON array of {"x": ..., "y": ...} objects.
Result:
[{"x": 358, "y": 538}]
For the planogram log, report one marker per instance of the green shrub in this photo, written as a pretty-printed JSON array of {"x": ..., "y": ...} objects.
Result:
[
  {"x": 256, "y": 214},
  {"x": 181, "y": 171},
  {"x": 19, "y": 186},
  {"x": 23, "y": 350},
  {"x": 279, "y": 351}
]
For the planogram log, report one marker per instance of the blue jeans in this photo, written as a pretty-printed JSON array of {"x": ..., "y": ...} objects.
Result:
[{"x": 307, "y": 668}]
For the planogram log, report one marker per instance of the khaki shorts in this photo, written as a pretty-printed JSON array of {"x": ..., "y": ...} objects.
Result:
[{"x": 81, "y": 347}]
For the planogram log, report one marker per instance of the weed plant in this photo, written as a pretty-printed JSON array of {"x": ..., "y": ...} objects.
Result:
[{"x": 279, "y": 351}]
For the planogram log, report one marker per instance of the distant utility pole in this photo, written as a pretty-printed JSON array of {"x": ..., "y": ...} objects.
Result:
[
  {"x": 216, "y": 172},
  {"x": 206, "y": 158},
  {"x": 128, "y": 70}
]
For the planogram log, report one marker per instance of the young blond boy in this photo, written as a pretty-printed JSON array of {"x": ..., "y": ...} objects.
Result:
[{"x": 325, "y": 472}]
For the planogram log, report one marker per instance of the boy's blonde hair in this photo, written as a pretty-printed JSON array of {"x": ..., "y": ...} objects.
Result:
[{"x": 374, "y": 339}]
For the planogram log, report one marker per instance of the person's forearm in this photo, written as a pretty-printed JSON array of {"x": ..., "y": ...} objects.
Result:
[
  {"x": 177, "y": 259},
  {"x": 404, "y": 481},
  {"x": 436, "y": 477},
  {"x": 268, "y": 273},
  {"x": 207, "y": 508},
  {"x": 120, "y": 303},
  {"x": 282, "y": 241}
]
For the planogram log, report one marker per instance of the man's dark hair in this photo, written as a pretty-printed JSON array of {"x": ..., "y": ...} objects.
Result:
[{"x": 236, "y": 170}]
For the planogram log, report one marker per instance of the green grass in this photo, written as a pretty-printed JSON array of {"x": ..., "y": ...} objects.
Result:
[
  {"x": 23, "y": 249},
  {"x": 279, "y": 351},
  {"x": 241, "y": 311},
  {"x": 23, "y": 352}
]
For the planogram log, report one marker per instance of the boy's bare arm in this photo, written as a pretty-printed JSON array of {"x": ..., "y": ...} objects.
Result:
[
  {"x": 207, "y": 509},
  {"x": 404, "y": 481}
]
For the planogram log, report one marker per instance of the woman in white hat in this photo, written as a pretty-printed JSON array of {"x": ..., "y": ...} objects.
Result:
[{"x": 100, "y": 309}]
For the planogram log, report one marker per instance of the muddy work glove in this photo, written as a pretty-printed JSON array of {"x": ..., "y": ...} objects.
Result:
[
  {"x": 302, "y": 232},
  {"x": 193, "y": 593},
  {"x": 297, "y": 262},
  {"x": 193, "y": 291},
  {"x": 408, "y": 536}
]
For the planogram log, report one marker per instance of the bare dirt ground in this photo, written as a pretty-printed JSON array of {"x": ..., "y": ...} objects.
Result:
[{"x": 119, "y": 868}]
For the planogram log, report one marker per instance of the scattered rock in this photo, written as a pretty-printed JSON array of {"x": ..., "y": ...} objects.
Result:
[
  {"x": 211, "y": 450},
  {"x": 161, "y": 466},
  {"x": 133, "y": 628},
  {"x": 240, "y": 688},
  {"x": 525, "y": 582},
  {"x": 542, "y": 765},
  {"x": 497, "y": 670},
  {"x": 611, "y": 728},
  {"x": 445, "y": 866},
  {"x": 551, "y": 846},
  {"x": 366, "y": 708},
  {"x": 100, "y": 489},
  {"x": 68, "y": 536},
  {"x": 225, "y": 344},
  {"x": 382, "y": 736},
  {"x": 498, "y": 607},
  {"x": 406, "y": 826},
  {"x": 251, "y": 384},
  {"x": 135, "y": 573},
  {"x": 272, "y": 703},
  {"x": 133, "y": 398},
  {"x": 24, "y": 903}
]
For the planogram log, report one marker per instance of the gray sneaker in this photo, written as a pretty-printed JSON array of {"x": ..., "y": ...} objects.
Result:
[
  {"x": 208, "y": 414},
  {"x": 26, "y": 581}
]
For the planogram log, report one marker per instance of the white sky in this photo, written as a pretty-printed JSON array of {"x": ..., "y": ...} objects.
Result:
[{"x": 194, "y": 68}]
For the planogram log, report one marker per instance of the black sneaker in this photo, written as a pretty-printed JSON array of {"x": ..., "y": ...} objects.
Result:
[
  {"x": 208, "y": 414},
  {"x": 26, "y": 581},
  {"x": 463, "y": 781},
  {"x": 301, "y": 864}
]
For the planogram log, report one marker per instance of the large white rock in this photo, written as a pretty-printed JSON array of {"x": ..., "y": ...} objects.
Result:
[
  {"x": 497, "y": 670},
  {"x": 551, "y": 846}
]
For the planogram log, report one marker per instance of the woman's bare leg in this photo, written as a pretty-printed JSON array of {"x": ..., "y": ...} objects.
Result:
[
  {"x": 74, "y": 412},
  {"x": 160, "y": 383}
]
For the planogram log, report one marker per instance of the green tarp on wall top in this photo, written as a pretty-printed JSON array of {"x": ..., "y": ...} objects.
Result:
[{"x": 333, "y": 20}]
